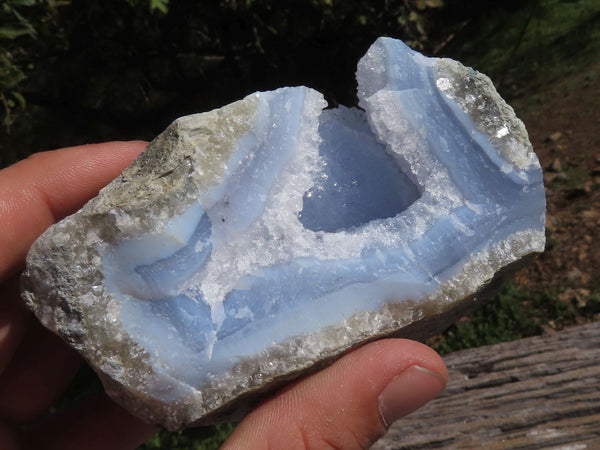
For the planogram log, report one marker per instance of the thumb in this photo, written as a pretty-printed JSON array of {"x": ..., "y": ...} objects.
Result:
[{"x": 348, "y": 405}]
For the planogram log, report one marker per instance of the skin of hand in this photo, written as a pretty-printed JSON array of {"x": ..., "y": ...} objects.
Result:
[{"x": 348, "y": 405}]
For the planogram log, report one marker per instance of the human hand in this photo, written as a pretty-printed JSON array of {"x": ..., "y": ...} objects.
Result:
[
  {"x": 35, "y": 365},
  {"x": 347, "y": 405}
]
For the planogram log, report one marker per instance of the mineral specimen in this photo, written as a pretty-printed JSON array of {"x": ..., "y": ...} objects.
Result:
[{"x": 253, "y": 243}]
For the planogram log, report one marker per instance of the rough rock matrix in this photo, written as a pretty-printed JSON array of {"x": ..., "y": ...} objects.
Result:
[{"x": 259, "y": 241}]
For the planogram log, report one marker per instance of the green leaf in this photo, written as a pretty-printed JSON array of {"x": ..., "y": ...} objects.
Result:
[
  {"x": 21, "y": 2},
  {"x": 20, "y": 99},
  {"x": 8, "y": 32},
  {"x": 434, "y": 3},
  {"x": 10, "y": 75},
  {"x": 7, "y": 122},
  {"x": 161, "y": 5}
]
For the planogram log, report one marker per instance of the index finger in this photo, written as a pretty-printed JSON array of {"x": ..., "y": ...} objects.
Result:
[{"x": 47, "y": 186}]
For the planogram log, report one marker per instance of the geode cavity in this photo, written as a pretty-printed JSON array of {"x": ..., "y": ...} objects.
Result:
[{"x": 253, "y": 243}]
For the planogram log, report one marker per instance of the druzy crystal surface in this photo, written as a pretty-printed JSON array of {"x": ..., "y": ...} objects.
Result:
[{"x": 253, "y": 243}]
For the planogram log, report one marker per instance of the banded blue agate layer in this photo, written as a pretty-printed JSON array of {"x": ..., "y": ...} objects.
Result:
[{"x": 253, "y": 243}]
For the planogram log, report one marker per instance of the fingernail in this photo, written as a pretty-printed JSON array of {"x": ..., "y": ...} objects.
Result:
[{"x": 407, "y": 392}]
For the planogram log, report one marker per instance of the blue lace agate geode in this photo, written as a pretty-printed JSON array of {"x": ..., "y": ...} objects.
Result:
[{"x": 252, "y": 243}]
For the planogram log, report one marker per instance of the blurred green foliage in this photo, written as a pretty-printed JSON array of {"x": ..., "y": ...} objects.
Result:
[
  {"x": 31, "y": 31},
  {"x": 72, "y": 72},
  {"x": 13, "y": 25},
  {"x": 123, "y": 69},
  {"x": 503, "y": 319},
  {"x": 512, "y": 314},
  {"x": 201, "y": 438},
  {"x": 530, "y": 43}
]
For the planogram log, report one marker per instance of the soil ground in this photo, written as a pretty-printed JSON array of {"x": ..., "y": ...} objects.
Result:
[{"x": 563, "y": 120}]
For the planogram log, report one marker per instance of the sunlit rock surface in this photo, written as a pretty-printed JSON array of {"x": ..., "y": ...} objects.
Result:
[{"x": 256, "y": 242}]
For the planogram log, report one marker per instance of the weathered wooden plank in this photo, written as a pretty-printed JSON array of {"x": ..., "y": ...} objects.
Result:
[{"x": 537, "y": 392}]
